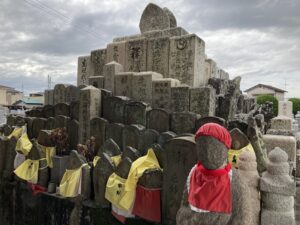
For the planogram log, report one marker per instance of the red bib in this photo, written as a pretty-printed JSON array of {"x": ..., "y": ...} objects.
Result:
[{"x": 209, "y": 190}]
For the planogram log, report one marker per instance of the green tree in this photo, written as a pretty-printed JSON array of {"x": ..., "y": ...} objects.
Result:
[
  {"x": 261, "y": 99},
  {"x": 296, "y": 104}
]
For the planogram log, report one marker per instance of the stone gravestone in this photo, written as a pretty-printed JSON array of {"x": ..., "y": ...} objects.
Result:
[
  {"x": 110, "y": 71},
  {"x": 103, "y": 169},
  {"x": 97, "y": 81},
  {"x": 113, "y": 108},
  {"x": 277, "y": 191},
  {"x": 209, "y": 119},
  {"x": 154, "y": 18},
  {"x": 9, "y": 160},
  {"x": 115, "y": 132},
  {"x": 83, "y": 70},
  {"x": 60, "y": 93},
  {"x": 159, "y": 120},
  {"x": 3, "y": 152},
  {"x": 48, "y": 111},
  {"x": 187, "y": 60},
  {"x": 50, "y": 124},
  {"x": 74, "y": 110},
  {"x": 142, "y": 85},
  {"x": 285, "y": 108},
  {"x": 49, "y": 97},
  {"x": 135, "y": 113},
  {"x": 131, "y": 153},
  {"x": 165, "y": 137},
  {"x": 286, "y": 143},
  {"x": 61, "y": 121},
  {"x": 116, "y": 52},
  {"x": 136, "y": 55},
  {"x": 123, "y": 84},
  {"x": 90, "y": 106},
  {"x": 109, "y": 147},
  {"x": 97, "y": 126},
  {"x": 72, "y": 94},
  {"x": 161, "y": 92},
  {"x": 98, "y": 60},
  {"x": 183, "y": 122},
  {"x": 37, "y": 125},
  {"x": 179, "y": 159},
  {"x": 180, "y": 97},
  {"x": 73, "y": 132},
  {"x": 132, "y": 136},
  {"x": 62, "y": 109},
  {"x": 158, "y": 55},
  {"x": 282, "y": 123},
  {"x": 149, "y": 137},
  {"x": 203, "y": 101}
]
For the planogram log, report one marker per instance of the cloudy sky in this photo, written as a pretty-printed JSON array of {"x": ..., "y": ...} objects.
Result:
[{"x": 258, "y": 40}]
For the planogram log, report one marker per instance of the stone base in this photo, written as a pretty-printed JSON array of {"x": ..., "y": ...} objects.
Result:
[{"x": 276, "y": 218}]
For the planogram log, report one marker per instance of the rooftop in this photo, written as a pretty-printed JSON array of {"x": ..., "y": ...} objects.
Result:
[{"x": 266, "y": 86}]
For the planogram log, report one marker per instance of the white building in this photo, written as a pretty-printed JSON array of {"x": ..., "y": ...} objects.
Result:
[{"x": 262, "y": 89}]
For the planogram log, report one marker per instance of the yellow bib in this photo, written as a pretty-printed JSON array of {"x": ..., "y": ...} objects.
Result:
[
  {"x": 116, "y": 159},
  {"x": 23, "y": 144},
  {"x": 28, "y": 170},
  {"x": 49, "y": 152},
  {"x": 233, "y": 155},
  {"x": 17, "y": 132},
  {"x": 70, "y": 185}
]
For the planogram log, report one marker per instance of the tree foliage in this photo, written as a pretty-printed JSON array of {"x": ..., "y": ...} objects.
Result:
[
  {"x": 296, "y": 104},
  {"x": 261, "y": 99}
]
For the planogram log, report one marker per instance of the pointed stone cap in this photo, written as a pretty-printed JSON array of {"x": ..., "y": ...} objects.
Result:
[
  {"x": 156, "y": 18},
  {"x": 109, "y": 147},
  {"x": 239, "y": 139},
  {"x": 75, "y": 160},
  {"x": 278, "y": 164},
  {"x": 124, "y": 167},
  {"x": 131, "y": 153}
]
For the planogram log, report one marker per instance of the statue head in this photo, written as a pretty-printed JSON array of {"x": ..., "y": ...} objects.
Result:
[{"x": 212, "y": 144}]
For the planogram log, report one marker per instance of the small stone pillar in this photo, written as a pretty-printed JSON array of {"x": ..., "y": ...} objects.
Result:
[{"x": 277, "y": 191}]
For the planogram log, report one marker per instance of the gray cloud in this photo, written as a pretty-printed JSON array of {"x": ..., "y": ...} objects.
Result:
[{"x": 258, "y": 40}]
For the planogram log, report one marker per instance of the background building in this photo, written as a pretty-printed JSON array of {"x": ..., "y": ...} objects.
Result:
[
  {"x": 262, "y": 89},
  {"x": 9, "y": 95}
]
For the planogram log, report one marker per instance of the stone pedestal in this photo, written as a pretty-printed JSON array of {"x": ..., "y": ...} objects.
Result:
[{"x": 285, "y": 108}]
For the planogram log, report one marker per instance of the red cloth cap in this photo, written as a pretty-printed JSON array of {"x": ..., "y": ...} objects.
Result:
[{"x": 215, "y": 130}]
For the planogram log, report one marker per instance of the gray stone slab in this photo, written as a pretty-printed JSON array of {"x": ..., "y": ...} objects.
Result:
[
  {"x": 49, "y": 97},
  {"x": 72, "y": 94},
  {"x": 136, "y": 55},
  {"x": 203, "y": 101},
  {"x": 62, "y": 109},
  {"x": 149, "y": 137},
  {"x": 115, "y": 132},
  {"x": 73, "y": 132},
  {"x": 159, "y": 120},
  {"x": 37, "y": 125},
  {"x": 116, "y": 52},
  {"x": 98, "y": 60},
  {"x": 48, "y": 111},
  {"x": 113, "y": 108},
  {"x": 97, "y": 81},
  {"x": 60, "y": 93},
  {"x": 132, "y": 136},
  {"x": 183, "y": 122},
  {"x": 123, "y": 84},
  {"x": 74, "y": 110},
  {"x": 110, "y": 70},
  {"x": 135, "y": 112},
  {"x": 180, "y": 98},
  {"x": 83, "y": 70},
  {"x": 97, "y": 126}
]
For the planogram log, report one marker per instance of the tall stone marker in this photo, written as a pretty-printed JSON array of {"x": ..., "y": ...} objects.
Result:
[
  {"x": 110, "y": 70},
  {"x": 89, "y": 107},
  {"x": 136, "y": 55},
  {"x": 116, "y": 52},
  {"x": 83, "y": 70},
  {"x": 285, "y": 108},
  {"x": 203, "y": 101},
  {"x": 98, "y": 60}
]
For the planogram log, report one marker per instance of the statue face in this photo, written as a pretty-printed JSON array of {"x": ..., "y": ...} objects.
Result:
[{"x": 212, "y": 153}]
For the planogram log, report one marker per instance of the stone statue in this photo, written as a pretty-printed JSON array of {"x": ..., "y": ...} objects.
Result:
[{"x": 214, "y": 175}]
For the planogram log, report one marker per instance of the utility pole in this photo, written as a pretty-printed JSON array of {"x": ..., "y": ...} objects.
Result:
[{"x": 49, "y": 81}]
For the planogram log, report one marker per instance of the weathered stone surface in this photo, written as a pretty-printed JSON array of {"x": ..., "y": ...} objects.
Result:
[
  {"x": 37, "y": 125},
  {"x": 113, "y": 108},
  {"x": 98, "y": 60},
  {"x": 136, "y": 55},
  {"x": 110, "y": 71},
  {"x": 180, "y": 158},
  {"x": 90, "y": 106},
  {"x": 48, "y": 111},
  {"x": 60, "y": 93},
  {"x": 203, "y": 101},
  {"x": 123, "y": 168},
  {"x": 239, "y": 139},
  {"x": 131, "y": 153},
  {"x": 123, "y": 84},
  {"x": 285, "y": 108},
  {"x": 103, "y": 169},
  {"x": 142, "y": 86},
  {"x": 62, "y": 109},
  {"x": 158, "y": 119},
  {"x": 34, "y": 113},
  {"x": 49, "y": 97},
  {"x": 97, "y": 81},
  {"x": 83, "y": 70},
  {"x": 158, "y": 55},
  {"x": 74, "y": 110},
  {"x": 151, "y": 178},
  {"x": 278, "y": 190},
  {"x": 280, "y": 132},
  {"x": 72, "y": 93},
  {"x": 183, "y": 122},
  {"x": 61, "y": 121},
  {"x": 132, "y": 136},
  {"x": 149, "y": 137},
  {"x": 135, "y": 113},
  {"x": 210, "y": 68},
  {"x": 286, "y": 143},
  {"x": 115, "y": 132},
  {"x": 109, "y": 147},
  {"x": 180, "y": 97},
  {"x": 173, "y": 22},
  {"x": 9, "y": 159},
  {"x": 73, "y": 133},
  {"x": 116, "y": 52},
  {"x": 154, "y": 18},
  {"x": 165, "y": 137},
  {"x": 50, "y": 124},
  {"x": 161, "y": 92},
  {"x": 97, "y": 126},
  {"x": 209, "y": 119},
  {"x": 281, "y": 123},
  {"x": 3, "y": 153},
  {"x": 187, "y": 60},
  {"x": 44, "y": 138},
  {"x": 297, "y": 174},
  {"x": 59, "y": 167}
]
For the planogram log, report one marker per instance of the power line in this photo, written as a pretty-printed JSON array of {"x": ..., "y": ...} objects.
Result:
[{"x": 54, "y": 13}]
